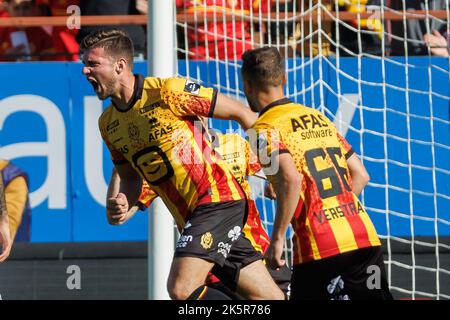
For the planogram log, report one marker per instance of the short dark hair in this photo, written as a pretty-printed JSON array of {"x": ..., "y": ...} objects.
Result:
[
  {"x": 114, "y": 41},
  {"x": 265, "y": 66}
]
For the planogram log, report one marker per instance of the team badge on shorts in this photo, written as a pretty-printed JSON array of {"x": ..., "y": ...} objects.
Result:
[{"x": 207, "y": 240}]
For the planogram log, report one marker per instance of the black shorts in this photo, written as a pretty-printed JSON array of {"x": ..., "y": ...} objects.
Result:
[
  {"x": 355, "y": 275},
  {"x": 282, "y": 277},
  {"x": 214, "y": 233}
]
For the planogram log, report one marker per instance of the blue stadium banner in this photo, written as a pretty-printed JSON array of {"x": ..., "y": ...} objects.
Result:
[{"x": 48, "y": 127}]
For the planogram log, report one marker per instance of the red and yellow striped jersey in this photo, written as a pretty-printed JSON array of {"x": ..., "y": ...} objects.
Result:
[
  {"x": 236, "y": 153},
  {"x": 329, "y": 219},
  {"x": 242, "y": 162},
  {"x": 146, "y": 197},
  {"x": 161, "y": 137}
]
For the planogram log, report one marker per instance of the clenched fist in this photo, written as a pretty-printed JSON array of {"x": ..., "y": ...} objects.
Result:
[{"x": 117, "y": 208}]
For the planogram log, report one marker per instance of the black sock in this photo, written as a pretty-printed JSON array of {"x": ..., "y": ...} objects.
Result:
[{"x": 207, "y": 293}]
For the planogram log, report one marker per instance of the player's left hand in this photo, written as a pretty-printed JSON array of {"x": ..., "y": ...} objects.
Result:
[
  {"x": 274, "y": 253},
  {"x": 117, "y": 209}
]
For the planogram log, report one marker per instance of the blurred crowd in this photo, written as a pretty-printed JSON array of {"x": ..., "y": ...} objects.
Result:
[
  {"x": 228, "y": 38},
  {"x": 46, "y": 43},
  {"x": 37, "y": 43}
]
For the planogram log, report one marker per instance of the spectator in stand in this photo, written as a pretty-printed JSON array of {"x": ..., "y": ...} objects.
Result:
[
  {"x": 17, "y": 43},
  {"x": 114, "y": 7},
  {"x": 309, "y": 46},
  {"x": 349, "y": 39},
  {"x": 281, "y": 31},
  {"x": 222, "y": 40},
  {"x": 3, "y": 8},
  {"x": 438, "y": 43},
  {"x": 65, "y": 46},
  {"x": 415, "y": 29}
]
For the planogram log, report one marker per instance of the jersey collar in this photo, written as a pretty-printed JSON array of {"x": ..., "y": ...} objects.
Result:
[
  {"x": 274, "y": 104},
  {"x": 137, "y": 92}
]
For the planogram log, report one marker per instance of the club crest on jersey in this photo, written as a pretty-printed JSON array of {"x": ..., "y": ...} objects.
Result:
[
  {"x": 133, "y": 132},
  {"x": 192, "y": 87},
  {"x": 207, "y": 240}
]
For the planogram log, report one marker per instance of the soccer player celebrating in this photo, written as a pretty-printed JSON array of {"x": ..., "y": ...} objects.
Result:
[
  {"x": 317, "y": 178},
  {"x": 242, "y": 162},
  {"x": 150, "y": 134}
]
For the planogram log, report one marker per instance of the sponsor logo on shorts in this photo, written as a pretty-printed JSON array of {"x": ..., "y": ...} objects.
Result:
[
  {"x": 224, "y": 249},
  {"x": 335, "y": 289},
  {"x": 207, "y": 240},
  {"x": 234, "y": 233},
  {"x": 183, "y": 241},
  {"x": 187, "y": 225}
]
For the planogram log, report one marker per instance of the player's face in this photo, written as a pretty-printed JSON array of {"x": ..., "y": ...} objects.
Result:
[{"x": 99, "y": 70}]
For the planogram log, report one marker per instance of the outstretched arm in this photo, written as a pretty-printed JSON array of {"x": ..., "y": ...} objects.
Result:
[
  {"x": 187, "y": 98},
  {"x": 230, "y": 109}
]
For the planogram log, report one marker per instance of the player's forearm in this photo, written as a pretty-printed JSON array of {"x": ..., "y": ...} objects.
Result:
[
  {"x": 359, "y": 183},
  {"x": 358, "y": 173},
  {"x": 360, "y": 178},
  {"x": 114, "y": 185},
  {"x": 132, "y": 212},
  {"x": 230, "y": 109},
  {"x": 288, "y": 194},
  {"x": 130, "y": 183},
  {"x": 131, "y": 188},
  {"x": 246, "y": 119}
]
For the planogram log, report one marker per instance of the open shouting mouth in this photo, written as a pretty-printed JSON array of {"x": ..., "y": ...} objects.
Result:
[{"x": 94, "y": 84}]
